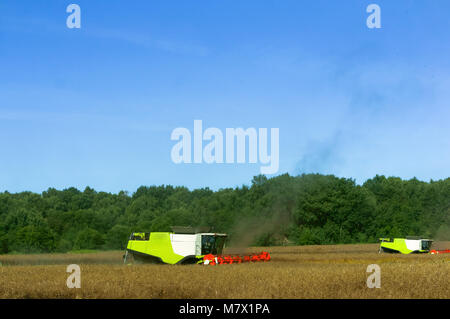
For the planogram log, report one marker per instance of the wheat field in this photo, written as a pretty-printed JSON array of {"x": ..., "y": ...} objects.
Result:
[{"x": 338, "y": 271}]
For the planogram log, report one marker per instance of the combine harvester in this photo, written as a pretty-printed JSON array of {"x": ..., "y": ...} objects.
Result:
[
  {"x": 184, "y": 245},
  {"x": 409, "y": 245}
]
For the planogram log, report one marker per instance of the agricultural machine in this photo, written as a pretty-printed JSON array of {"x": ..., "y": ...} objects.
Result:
[
  {"x": 184, "y": 245},
  {"x": 408, "y": 245}
]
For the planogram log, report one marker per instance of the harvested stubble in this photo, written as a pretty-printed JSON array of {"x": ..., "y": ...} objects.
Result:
[{"x": 294, "y": 272}]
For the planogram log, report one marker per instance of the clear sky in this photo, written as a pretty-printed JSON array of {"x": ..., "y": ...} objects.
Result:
[{"x": 96, "y": 106}]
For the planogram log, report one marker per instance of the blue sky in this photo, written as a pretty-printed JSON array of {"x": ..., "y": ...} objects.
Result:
[{"x": 96, "y": 106}]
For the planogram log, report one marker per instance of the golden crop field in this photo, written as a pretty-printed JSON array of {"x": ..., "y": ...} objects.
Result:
[{"x": 337, "y": 271}]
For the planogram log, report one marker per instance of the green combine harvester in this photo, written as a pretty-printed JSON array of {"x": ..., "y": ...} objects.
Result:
[
  {"x": 406, "y": 245},
  {"x": 182, "y": 246}
]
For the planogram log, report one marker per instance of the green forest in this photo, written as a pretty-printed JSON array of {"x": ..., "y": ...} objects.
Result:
[{"x": 283, "y": 210}]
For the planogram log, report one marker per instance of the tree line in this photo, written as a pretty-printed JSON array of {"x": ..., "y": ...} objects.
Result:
[{"x": 283, "y": 210}]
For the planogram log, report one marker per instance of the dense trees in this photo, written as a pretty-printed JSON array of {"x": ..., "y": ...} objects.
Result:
[{"x": 306, "y": 209}]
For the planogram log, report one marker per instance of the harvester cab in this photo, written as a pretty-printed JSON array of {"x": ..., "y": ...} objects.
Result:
[{"x": 406, "y": 245}]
